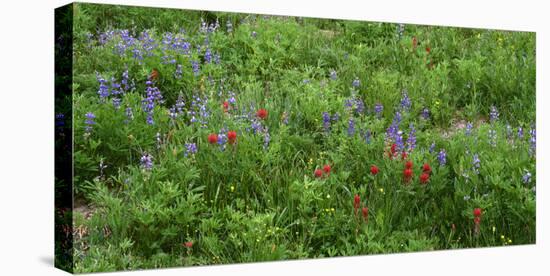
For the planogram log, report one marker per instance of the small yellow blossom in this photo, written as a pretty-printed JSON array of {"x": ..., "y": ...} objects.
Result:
[
  {"x": 332, "y": 209},
  {"x": 494, "y": 229},
  {"x": 501, "y": 237},
  {"x": 232, "y": 188},
  {"x": 509, "y": 241},
  {"x": 328, "y": 196},
  {"x": 381, "y": 190}
]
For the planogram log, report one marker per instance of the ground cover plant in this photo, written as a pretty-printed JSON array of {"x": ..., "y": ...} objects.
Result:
[{"x": 214, "y": 138}]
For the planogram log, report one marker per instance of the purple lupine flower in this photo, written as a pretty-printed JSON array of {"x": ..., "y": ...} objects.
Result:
[
  {"x": 172, "y": 113},
  {"x": 468, "y": 130},
  {"x": 146, "y": 161},
  {"x": 493, "y": 115},
  {"x": 256, "y": 126},
  {"x": 527, "y": 177},
  {"x": 508, "y": 131},
  {"x": 306, "y": 81},
  {"x": 180, "y": 105},
  {"x": 191, "y": 149},
  {"x": 116, "y": 103},
  {"x": 103, "y": 91},
  {"x": 267, "y": 138},
  {"x": 359, "y": 106},
  {"x": 442, "y": 157},
  {"x": 520, "y": 133},
  {"x": 356, "y": 82},
  {"x": 159, "y": 140},
  {"x": 89, "y": 122},
  {"x": 367, "y": 136},
  {"x": 124, "y": 81},
  {"x": 532, "y": 141},
  {"x": 179, "y": 71},
  {"x": 351, "y": 127},
  {"x": 378, "y": 108},
  {"x": 425, "y": 113},
  {"x": 492, "y": 137},
  {"x": 405, "y": 101},
  {"x": 217, "y": 58},
  {"x": 336, "y": 117},
  {"x": 196, "y": 67},
  {"x": 137, "y": 54},
  {"x": 333, "y": 75},
  {"x": 432, "y": 148},
  {"x": 326, "y": 121},
  {"x": 397, "y": 117},
  {"x": 411, "y": 140},
  {"x": 476, "y": 163},
  {"x": 208, "y": 55},
  {"x": 348, "y": 104},
  {"x": 129, "y": 114},
  {"x": 399, "y": 140},
  {"x": 115, "y": 87},
  {"x": 232, "y": 99},
  {"x": 153, "y": 95}
]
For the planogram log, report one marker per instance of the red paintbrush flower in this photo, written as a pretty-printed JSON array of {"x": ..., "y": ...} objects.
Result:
[
  {"x": 428, "y": 50},
  {"x": 356, "y": 202},
  {"x": 404, "y": 155},
  {"x": 409, "y": 165},
  {"x": 212, "y": 138},
  {"x": 426, "y": 168},
  {"x": 477, "y": 212},
  {"x": 477, "y": 220},
  {"x": 424, "y": 178},
  {"x": 407, "y": 174},
  {"x": 225, "y": 106},
  {"x": 232, "y": 136},
  {"x": 365, "y": 212},
  {"x": 374, "y": 170},
  {"x": 188, "y": 244},
  {"x": 318, "y": 173},
  {"x": 262, "y": 113},
  {"x": 326, "y": 169}
]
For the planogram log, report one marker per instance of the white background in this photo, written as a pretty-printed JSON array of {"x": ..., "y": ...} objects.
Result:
[{"x": 27, "y": 148}]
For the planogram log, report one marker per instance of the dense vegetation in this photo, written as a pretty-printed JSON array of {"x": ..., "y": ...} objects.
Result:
[{"x": 208, "y": 138}]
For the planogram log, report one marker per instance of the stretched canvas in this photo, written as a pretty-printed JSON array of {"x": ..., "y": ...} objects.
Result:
[{"x": 191, "y": 138}]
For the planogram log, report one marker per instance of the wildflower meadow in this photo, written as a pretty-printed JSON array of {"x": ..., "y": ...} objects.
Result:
[{"x": 206, "y": 138}]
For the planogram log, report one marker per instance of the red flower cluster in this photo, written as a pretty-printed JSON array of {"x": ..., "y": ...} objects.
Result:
[
  {"x": 225, "y": 106},
  {"x": 374, "y": 170},
  {"x": 188, "y": 244},
  {"x": 356, "y": 203},
  {"x": 477, "y": 215},
  {"x": 232, "y": 136},
  {"x": 424, "y": 177},
  {"x": 262, "y": 113},
  {"x": 407, "y": 175},
  {"x": 326, "y": 169},
  {"x": 212, "y": 138},
  {"x": 364, "y": 210},
  {"x": 319, "y": 173},
  {"x": 426, "y": 170}
]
